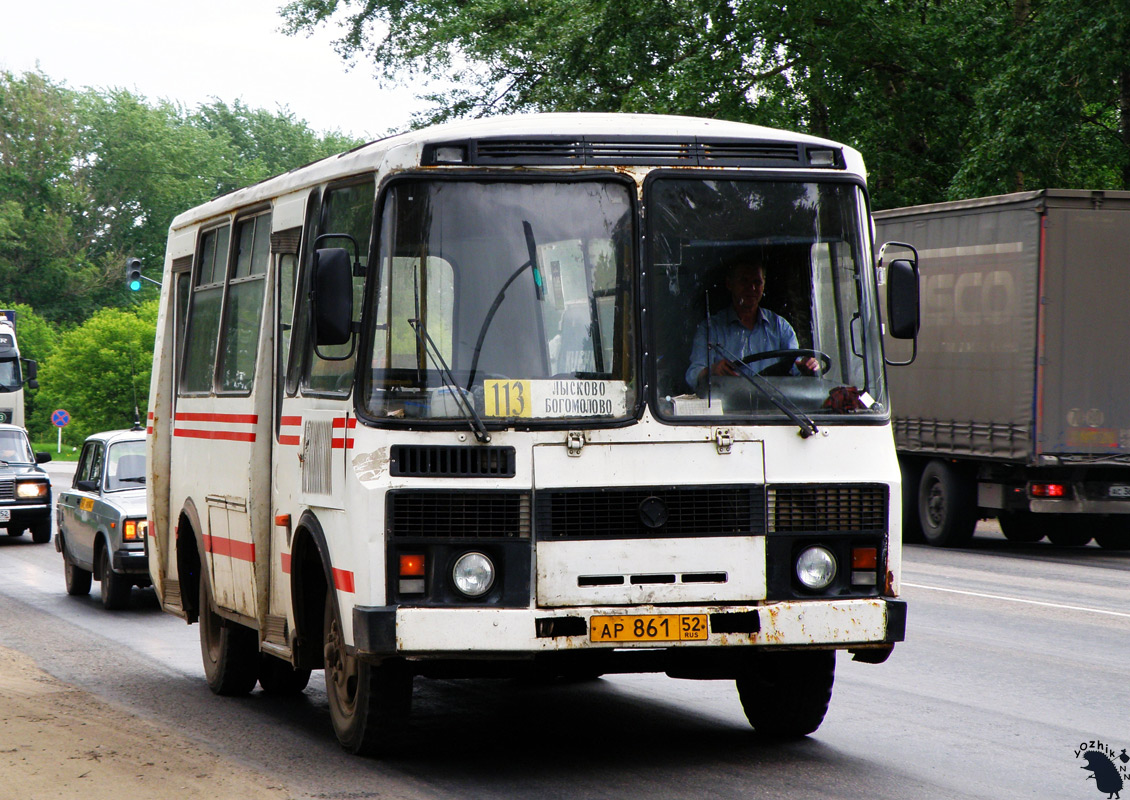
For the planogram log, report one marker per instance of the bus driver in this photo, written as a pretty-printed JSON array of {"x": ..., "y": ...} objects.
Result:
[{"x": 743, "y": 328}]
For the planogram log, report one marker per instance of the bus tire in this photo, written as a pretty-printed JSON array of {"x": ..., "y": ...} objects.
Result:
[
  {"x": 114, "y": 588},
  {"x": 279, "y": 678},
  {"x": 369, "y": 703},
  {"x": 947, "y": 505},
  {"x": 230, "y": 651},
  {"x": 786, "y": 695},
  {"x": 1022, "y": 527}
]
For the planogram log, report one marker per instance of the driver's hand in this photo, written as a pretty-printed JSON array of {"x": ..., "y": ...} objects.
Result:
[
  {"x": 723, "y": 367},
  {"x": 809, "y": 366}
]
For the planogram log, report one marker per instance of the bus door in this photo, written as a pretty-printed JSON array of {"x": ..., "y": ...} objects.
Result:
[{"x": 222, "y": 419}]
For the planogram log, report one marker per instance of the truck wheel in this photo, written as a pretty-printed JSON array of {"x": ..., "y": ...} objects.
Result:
[
  {"x": 41, "y": 532},
  {"x": 77, "y": 578},
  {"x": 1072, "y": 531},
  {"x": 115, "y": 588},
  {"x": 279, "y": 678},
  {"x": 1113, "y": 533},
  {"x": 786, "y": 695},
  {"x": 369, "y": 703},
  {"x": 1022, "y": 527},
  {"x": 911, "y": 476},
  {"x": 947, "y": 506},
  {"x": 230, "y": 651}
]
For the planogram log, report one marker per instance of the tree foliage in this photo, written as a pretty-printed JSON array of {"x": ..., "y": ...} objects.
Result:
[
  {"x": 99, "y": 372},
  {"x": 946, "y": 98}
]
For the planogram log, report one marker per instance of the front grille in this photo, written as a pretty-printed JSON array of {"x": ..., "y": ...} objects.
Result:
[
  {"x": 435, "y": 461},
  {"x": 458, "y": 515},
  {"x": 612, "y": 150},
  {"x": 812, "y": 508},
  {"x": 669, "y": 511},
  {"x": 8, "y": 490}
]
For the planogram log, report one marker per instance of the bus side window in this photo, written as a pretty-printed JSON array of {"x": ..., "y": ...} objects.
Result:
[
  {"x": 203, "y": 323},
  {"x": 243, "y": 311},
  {"x": 345, "y": 210}
]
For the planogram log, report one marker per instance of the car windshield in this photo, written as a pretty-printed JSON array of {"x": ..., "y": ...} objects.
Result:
[
  {"x": 125, "y": 468},
  {"x": 15, "y": 449},
  {"x": 757, "y": 293},
  {"x": 504, "y": 300}
]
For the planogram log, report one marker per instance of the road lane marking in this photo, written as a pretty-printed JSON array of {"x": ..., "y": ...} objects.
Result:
[{"x": 1019, "y": 600}]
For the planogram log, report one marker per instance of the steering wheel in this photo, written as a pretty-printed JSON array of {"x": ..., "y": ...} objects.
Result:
[{"x": 786, "y": 358}]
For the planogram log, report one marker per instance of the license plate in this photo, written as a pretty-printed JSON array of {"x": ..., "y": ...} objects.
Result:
[
  {"x": 5, "y": 515},
  {"x": 1119, "y": 491},
  {"x": 648, "y": 628}
]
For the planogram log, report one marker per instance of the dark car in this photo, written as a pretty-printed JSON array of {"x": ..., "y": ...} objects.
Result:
[
  {"x": 102, "y": 518},
  {"x": 25, "y": 488}
]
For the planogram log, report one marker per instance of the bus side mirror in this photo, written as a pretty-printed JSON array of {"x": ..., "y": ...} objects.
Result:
[
  {"x": 332, "y": 296},
  {"x": 903, "y": 316},
  {"x": 32, "y": 373}
]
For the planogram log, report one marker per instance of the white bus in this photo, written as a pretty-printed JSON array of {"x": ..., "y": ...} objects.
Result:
[
  {"x": 421, "y": 409},
  {"x": 13, "y": 377}
]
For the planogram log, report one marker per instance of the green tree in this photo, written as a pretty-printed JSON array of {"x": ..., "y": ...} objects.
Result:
[{"x": 100, "y": 370}]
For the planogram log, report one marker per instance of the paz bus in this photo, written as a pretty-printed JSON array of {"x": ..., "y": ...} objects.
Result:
[
  {"x": 421, "y": 410},
  {"x": 12, "y": 372}
]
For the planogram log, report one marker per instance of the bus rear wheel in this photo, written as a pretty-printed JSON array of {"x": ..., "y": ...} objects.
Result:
[
  {"x": 369, "y": 703},
  {"x": 786, "y": 695},
  {"x": 230, "y": 651}
]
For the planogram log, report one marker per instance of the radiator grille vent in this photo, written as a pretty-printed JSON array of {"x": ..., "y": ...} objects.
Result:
[
  {"x": 668, "y": 511},
  {"x": 461, "y": 515},
  {"x": 857, "y": 507},
  {"x": 7, "y": 490},
  {"x": 316, "y": 443},
  {"x": 423, "y": 461}
]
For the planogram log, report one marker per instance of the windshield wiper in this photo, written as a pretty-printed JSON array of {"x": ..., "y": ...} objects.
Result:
[
  {"x": 466, "y": 407},
  {"x": 774, "y": 395},
  {"x": 539, "y": 293}
]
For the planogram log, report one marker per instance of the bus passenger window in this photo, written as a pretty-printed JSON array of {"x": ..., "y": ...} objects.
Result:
[
  {"x": 204, "y": 312},
  {"x": 244, "y": 310}
]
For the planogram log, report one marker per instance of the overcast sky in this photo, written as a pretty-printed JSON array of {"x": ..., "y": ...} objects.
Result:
[{"x": 195, "y": 50}]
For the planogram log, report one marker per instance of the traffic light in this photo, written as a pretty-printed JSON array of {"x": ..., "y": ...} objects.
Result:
[{"x": 133, "y": 274}]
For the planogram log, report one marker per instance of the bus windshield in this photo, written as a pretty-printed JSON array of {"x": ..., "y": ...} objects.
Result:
[
  {"x": 757, "y": 295},
  {"x": 10, "y": 379},
  {"x": 512, "y": 296}
]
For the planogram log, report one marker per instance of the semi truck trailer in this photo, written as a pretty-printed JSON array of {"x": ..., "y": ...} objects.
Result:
[{"x": 1017, "y": 403}]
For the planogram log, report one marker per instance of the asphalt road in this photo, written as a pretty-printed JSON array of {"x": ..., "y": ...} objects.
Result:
[{"x": 1015, "y": 655}]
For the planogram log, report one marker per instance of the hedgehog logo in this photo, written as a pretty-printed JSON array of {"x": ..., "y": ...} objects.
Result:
[{"x": 1109, "y": 769}]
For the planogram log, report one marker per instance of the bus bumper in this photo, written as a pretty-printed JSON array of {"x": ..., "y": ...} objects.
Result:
[{"x": 462, "y": 633}]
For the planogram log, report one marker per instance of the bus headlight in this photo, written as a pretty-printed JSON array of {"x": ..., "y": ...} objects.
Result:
[
  {"x": 816, "y": 568},
  {"x": 473, "y": 574}
]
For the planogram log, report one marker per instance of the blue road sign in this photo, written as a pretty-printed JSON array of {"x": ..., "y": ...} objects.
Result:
[{"x": 60, "y": 418}]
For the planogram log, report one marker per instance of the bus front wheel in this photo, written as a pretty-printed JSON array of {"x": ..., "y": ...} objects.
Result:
[
  {"x": 786, "y": 695},
  {"x": 369, "y": 703}
]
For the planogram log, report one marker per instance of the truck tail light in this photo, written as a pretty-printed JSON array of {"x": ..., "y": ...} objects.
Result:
[{"x": 1047, "y": 490}]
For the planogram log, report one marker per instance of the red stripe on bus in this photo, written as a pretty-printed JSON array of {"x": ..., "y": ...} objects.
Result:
[
  {"x": 150, "y": 415},
  {"x": 290, "y": 420},
  {"x": 222, "y": 546},
  {"x": 343, "y": 580},
  {"x": 340, "y": 444},
  {"x": 149, "y": 429},
  {"x": 235, "y": 436},
  {"x": 345, "y": 423},
  {"x": 290, "y": 439},
  {"x": 193, "y": 416},
  {"x": 284, "y": 558}
]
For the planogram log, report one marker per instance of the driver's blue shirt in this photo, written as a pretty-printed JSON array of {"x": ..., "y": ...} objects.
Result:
[{"x": 769, "y": 332}]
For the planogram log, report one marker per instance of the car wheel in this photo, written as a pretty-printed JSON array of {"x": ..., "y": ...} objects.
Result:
[
  {"x": 77, "y": 578},
  {"x": 115, "y": 588},
  {"x": 41, "y": 532},
  {"x": 14, "y": 532}
]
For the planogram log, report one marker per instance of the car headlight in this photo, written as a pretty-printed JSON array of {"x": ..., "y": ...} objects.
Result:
[
  {"x": 473, "y": 574},
  {"x": 816, "y": 568},
  {"x": 133, "y": 530},
  {"x": 31, "y": 490}
]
